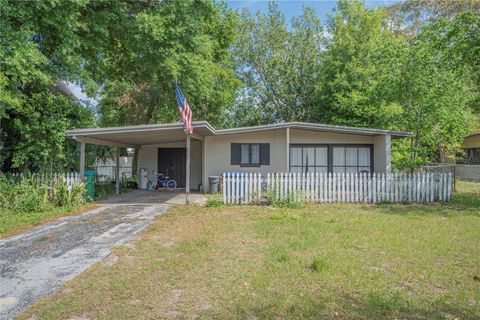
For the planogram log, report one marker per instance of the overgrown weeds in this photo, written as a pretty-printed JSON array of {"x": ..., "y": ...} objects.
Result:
[
  {"x": 28, "y": 194},
  {"x": 27, "y": 200}
]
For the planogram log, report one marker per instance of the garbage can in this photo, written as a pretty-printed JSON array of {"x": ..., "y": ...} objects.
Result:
[
  {"x": 213, "y": 182},
  {"x": 90, "y": 184}
]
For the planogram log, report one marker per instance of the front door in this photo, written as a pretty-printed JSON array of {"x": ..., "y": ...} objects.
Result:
[{"x": 172, "y": 162}]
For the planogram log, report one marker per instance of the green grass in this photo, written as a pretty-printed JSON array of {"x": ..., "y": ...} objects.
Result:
[
  {"x": 318, "y": 261},
  {"x": 14, "y": 222}
]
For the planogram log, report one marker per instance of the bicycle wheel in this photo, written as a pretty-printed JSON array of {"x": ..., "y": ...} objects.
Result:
[{"x": 171, "y": 184}]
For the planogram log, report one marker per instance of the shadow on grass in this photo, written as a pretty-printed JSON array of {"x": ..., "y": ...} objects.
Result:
[
  {"x": 381, "y": 305},
  {"x": 465, "y": 203},
  {"x": 374, "y": 305}
]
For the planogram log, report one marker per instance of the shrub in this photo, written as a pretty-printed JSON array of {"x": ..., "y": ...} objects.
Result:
[{"x": 63, "y": 195}]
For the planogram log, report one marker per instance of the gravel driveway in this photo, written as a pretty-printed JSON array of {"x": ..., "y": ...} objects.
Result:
[{"x": 36, "y": 263}]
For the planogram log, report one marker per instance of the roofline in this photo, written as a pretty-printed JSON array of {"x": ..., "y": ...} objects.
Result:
[
  {"x": 472, "y": 135},
  {"x": 314, "y": 126},
  {"x": 137, "y": 128},
  {"x": 213, "y": 131}
]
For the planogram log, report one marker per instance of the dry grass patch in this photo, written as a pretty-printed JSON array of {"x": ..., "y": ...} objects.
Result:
[{"x": 320, "y": 261}]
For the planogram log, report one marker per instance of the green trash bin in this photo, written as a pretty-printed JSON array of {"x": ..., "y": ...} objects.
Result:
[{"x": 90, "y": 184}]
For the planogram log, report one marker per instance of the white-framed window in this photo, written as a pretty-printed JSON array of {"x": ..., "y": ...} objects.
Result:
[
  {"x": 308, "y": 158},
  {"x": 250, "y": 154},
  {"x": 331, "y": 158},
  {"x": 351, "y": 159}
]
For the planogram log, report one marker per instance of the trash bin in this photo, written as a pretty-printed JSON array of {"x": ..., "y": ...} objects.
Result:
[
  {"x": 90, "y": 184},
  {"x": 213, "y": 182}
]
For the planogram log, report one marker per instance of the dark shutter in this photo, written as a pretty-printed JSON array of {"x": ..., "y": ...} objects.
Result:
[
  {"x": 235, "y": 154},
  {"x": 265, "y": 153}
]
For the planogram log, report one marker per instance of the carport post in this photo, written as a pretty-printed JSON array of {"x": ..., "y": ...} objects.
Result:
[
  {"x": 117, "y": 171},
  {"x": 187, "y": 178},
  {"x": 82, "y": 161}
]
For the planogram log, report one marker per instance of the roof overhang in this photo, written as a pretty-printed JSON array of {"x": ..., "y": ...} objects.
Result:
[{"x": 136, "y": 136}]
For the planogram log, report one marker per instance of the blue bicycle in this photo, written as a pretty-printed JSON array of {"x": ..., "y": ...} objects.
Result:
[{"x": 164, "y": 181}]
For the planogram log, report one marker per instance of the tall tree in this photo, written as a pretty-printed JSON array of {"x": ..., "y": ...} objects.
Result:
[
  {"x": 278, "y": 65},
  {"x": 438, "y": 94},
  {"x": 411, "y": 16},
  {"x": 41, "y": 42},
  {"x": 157, "y": 50},
  {"x": 353, "y": 86}
]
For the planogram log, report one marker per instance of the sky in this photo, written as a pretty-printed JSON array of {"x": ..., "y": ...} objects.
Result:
[
  {"x": 290, "y": 9},
  {"x": 293, "y": 8}
]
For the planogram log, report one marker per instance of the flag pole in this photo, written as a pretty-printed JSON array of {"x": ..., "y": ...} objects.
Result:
[{"x": 187, "y": 178}]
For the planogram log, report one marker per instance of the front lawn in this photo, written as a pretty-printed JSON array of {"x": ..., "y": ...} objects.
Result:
[{"x": 319, "y": 261}]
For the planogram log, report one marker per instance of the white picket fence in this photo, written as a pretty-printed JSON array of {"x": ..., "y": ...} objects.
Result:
[
  {"x": 50, "y": 178},
  {"x": 422, "y": 187}
]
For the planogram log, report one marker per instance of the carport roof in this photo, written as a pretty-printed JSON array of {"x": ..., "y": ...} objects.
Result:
[{"x": 134, "y": 136}]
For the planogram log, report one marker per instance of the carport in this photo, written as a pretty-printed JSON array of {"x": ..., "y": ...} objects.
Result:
[{"x": 148, "y": 137}]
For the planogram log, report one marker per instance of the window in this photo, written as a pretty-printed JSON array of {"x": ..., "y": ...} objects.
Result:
[
  {"x": 308, "y": 158},
  {"x": 352, "y": 159},
  {"x": 250, "y": 154},
  {"x": 330, "y": 158}
]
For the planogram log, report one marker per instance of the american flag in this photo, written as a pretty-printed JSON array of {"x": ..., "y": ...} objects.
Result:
[{"x": 184, "y": 110}]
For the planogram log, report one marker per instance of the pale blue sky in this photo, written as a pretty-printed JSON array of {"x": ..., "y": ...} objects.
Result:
[
  {"x": 290, "y": 9},
  {"x": 293, "y": 8}
]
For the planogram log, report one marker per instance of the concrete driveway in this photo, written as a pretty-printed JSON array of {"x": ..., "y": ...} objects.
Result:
[
  {"x": 176, "y": 197},
  {"x": 36, "y": 263}
]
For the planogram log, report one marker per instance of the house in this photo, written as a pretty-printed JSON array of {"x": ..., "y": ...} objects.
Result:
[
  {"x": 471, "y": 148},
  {"x": 292, "y": 146},
  {"x": 105, "y": 168}
]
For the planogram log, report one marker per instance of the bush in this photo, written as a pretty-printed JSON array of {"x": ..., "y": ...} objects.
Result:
[
  {"x": 28, "y": 194},
  {"x": 63, "y": 195}
]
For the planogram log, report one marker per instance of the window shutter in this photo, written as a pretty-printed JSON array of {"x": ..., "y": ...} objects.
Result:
[
  {"x": 235, "y": 154},
  {"x": 265, "y": 153}
]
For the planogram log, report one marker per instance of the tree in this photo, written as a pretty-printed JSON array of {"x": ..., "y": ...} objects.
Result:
[
  {"x": 157, "y": 50},
  {"x": 411, "y": 16},
  {"x": 438, "y": 94},
  {"x": 39, "y": 44},
  {"x": 278, "y": 66},
  {"x": 358, "y": 65}
]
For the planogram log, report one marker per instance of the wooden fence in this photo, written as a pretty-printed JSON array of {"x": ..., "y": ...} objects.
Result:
[
  {"x": 50, "y": 178},
  {"x": 248, "y": 188}
]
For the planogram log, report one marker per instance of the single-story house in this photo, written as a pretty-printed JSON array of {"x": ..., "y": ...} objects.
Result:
[{"x": 291, "y": 146}]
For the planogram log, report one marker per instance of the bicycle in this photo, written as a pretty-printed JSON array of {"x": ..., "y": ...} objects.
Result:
[{"x": 164, "y": 181}]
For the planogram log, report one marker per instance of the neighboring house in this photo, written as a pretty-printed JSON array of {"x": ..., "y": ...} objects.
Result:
[
  {"x": 292, "y": 146},
  {"x": 468, "y": 164},
  {"x": 471, "y": 148},
  {"x": 106, "y": 168}
]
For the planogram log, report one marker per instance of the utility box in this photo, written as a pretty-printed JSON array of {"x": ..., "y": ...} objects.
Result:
[{"x": 90, "y": 184}]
